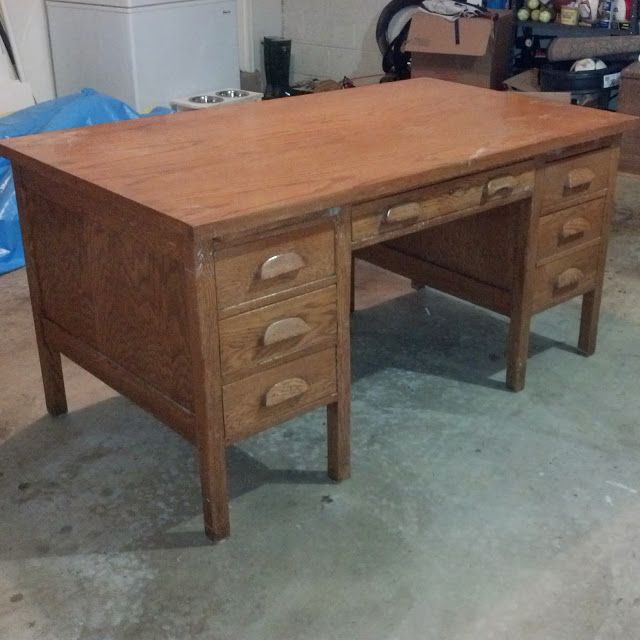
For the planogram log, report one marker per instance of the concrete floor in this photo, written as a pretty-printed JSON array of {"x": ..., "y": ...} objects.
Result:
[{"x": 473, "y": 513}]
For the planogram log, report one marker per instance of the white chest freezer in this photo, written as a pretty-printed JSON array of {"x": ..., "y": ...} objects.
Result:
[{"x": 144, "y": 52}]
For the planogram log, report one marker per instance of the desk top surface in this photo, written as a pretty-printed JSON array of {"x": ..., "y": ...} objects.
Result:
[{"x": 226, "y": 169}]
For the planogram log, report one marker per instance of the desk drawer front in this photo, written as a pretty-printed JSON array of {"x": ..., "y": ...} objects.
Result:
[
  {"x": 566, "y": 277},
  {"x": 575, "y": 177},
  {"x": 264, "y": 267},
  {"x": 383, "y": 218},
  {"x": 570, "y": 228},
  {"x": 267, "y": 334},
  {"x": 274, "y": 395}
]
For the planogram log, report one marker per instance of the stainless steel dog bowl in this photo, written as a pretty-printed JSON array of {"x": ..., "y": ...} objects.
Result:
[
  {"x": 232, "y": 93},
  {"x": 205, "y": 99}
]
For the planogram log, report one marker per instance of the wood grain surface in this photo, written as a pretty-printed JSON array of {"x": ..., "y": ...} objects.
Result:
[
  {"x": 224, "y": 170},
  {"x": 277, "y": 394},
  {"x": 247, "y": 272},
  {"x": 570, "y": 228},
  {"x": 385, "y": 217},
  {"x": 574, "y": 177},
  {"x": 279, "y": 330},
  {"x": 565, "y": 277}
]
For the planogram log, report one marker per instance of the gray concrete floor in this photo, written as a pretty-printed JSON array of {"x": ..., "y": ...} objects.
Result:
[{"x": 473, "y": 513}]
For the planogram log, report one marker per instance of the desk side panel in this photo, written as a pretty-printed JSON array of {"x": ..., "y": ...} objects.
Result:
[{"x": 120, "y": 293}]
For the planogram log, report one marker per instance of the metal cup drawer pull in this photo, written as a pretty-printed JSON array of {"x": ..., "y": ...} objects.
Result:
[
  {"x": 281, "y": 264},
  {"x": 574, "y": 228},
  {"x": 569, "y": 278},
  {"x": 579, "y": 179},
  {"x": 285, "y": 329},
  {"x": 409, "y": 212},
  {"x": 501, "y": 187},
  {"x": 285, "y": 390}
]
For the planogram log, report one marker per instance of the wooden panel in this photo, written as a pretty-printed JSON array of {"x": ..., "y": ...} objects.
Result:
[
  {"x": 277, "y": 263},
  {"x": 570, "y": 228},
  {"x": 289, "y": 389},
  {"x": 574, "y": 177},
  {"x": 123, "y": 381},
  {"x": 629, "y": 102},
  {"x": 265, "y": 335},
  {"x": 395, "y": 215},
  {"x": 312, "y": 153},
  {"x": 423, "y": 272},
  {"x": 480, "y": 247},
  {"x": 140, "y": 309},
  {"x": 62, "y": 255},
  {"x": 566, "y": 277}
]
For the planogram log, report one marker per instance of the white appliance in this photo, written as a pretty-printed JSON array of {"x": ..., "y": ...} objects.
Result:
[{"x": 144, "y": 52}]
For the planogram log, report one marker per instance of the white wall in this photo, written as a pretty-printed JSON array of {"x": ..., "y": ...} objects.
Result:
[
  {"x": 28, "y": 22},
  {"x": 267, "y": 21},
  {"x": 333, "y": 38}
]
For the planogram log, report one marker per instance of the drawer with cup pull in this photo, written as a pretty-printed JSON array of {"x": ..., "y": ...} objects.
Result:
[
  {"x": 274, "y": 264},
  {"x": 267, "y": 334},
  {"x": 566, "y": 277},
  {"x": 570, "y": 228},
  {"x": 389, "y": 217},
  {"x": 277, "y": 394},
  {"x": 575, "y": 177}
]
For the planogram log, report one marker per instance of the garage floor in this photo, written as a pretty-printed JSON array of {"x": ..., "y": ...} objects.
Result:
[{"x": 473, "y": 512}]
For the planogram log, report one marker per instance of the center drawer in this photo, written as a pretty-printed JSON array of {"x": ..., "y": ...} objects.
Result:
[
  {"x": 262, "y": 336},
  {"x": 388, "y": 217}
]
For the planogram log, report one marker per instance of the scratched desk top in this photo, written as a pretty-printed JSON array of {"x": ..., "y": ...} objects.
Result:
[{"x": 225, "y": 169}]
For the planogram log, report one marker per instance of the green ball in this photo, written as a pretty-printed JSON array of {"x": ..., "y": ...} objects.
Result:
[
  {"x": 546, "y": 15},
  {"x": 523, "y": 14}
]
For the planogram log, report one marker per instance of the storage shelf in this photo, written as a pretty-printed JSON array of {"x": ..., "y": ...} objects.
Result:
[{"x": 557, "y": 29}]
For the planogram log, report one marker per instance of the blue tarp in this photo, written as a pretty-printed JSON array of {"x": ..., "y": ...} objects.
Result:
[{"x": 78, "y": 110}]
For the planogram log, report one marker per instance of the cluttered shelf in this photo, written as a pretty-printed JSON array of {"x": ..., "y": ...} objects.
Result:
[{"x": 553, "y": 29}]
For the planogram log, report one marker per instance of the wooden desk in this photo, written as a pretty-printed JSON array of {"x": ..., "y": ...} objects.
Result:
[{"x": 200, "y": 263}]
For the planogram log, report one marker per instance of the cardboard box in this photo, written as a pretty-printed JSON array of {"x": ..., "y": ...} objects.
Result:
[
  {"x": 474, "y": 51},
  {"x": 527, "y": 82}
]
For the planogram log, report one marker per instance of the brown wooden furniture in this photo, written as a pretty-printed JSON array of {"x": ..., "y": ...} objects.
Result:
[
  {"x": 629, "y": 102},
  {"x": 200, "y": 263}
]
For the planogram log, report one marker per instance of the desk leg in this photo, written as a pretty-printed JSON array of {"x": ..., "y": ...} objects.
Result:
[
  {"x": 522, "y": 293},
  {"x": 50, "y": 361},
  {"x": 589, "y": 321},
  {"x": 207, "y": 391},
  {"x": 52, "y": 377},
  {"x": 339, "y": 413},
  {"x": 518, "y": 349}
]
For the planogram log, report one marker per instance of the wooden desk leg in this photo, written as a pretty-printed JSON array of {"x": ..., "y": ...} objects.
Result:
[
  {"x": 589, "y": 322},
  {"x": 50, "y": 361},
  {"x": 352, "y": 287},
  {"x": 521, "y": 295},
  {"x": 339, "y": 413},
  {"x": 207, "y": 390},
  {"x": 52, "y": 377},
  {"x": 518, "y": 349}
]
